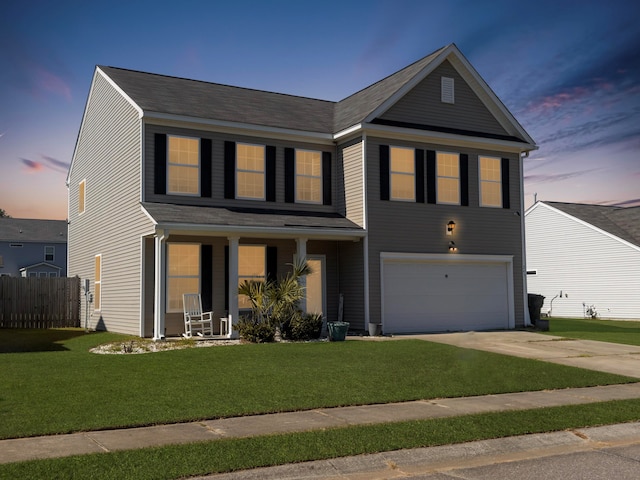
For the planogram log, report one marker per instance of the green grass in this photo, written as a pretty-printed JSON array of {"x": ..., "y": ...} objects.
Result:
[
  {"x": 626, "y": 332},
  {"x": 178, "y": 461},
  {"x": 63, "y": 388}
]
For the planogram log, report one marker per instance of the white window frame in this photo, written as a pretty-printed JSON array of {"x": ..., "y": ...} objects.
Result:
[
  {"x": 242, "y": 278},
  {"x": 169, "y": 276},
  {"x": 183, "y": 165},
  {"x": 485, "y": 181},
  {"x": 316, "y": 177},
  {"x": 393, "y": 173},
  {"x": 97, "y": 285},
  {"x": 82, "y": 196},
  {"x": 264, "y": 172},
  {"x": 438, "y": 177},
  {"x": 53, "y": 253}
]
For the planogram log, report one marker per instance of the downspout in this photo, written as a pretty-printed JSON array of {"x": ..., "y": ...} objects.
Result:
[
  {"x": 525, "y": 298},
  {"x": 365, "y": 225}
]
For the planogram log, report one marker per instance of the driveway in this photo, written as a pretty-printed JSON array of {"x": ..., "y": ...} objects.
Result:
[{"x": 602, "y": 356}]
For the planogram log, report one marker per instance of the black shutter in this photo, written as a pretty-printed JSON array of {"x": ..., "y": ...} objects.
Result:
[
  {"x": 505, "y": 183},
  {"x": 384, "y": 172},
  {"x": 326, "y": 178},
  {"x": 205, "y": 167},
  {"x": 289, "y": 175},
  {"x": 272, "y": 263},
  {"x": 270, "y": 167},
  {"x": 464, "y": 179},
  {"x": 206, "y": 277},
  {"x": 431, "y": 176},
  {"x": 419, "y": 172},
  {"x": 226, "y": 277},
  {"x": 229, "y": 170},
  {"x": 160, "y": 173}
]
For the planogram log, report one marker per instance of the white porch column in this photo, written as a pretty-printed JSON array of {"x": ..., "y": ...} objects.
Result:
[
  {"x": 159, "y": 285},
  {"x": 233, "y": 285},
  {"x": 301, "y": 255}
]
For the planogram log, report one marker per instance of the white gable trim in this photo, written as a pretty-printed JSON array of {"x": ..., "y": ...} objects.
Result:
[
  {"x": 475, "y": 81},
  {"x": 120, "y": 91},
  {"x": 582, "y": 222}
]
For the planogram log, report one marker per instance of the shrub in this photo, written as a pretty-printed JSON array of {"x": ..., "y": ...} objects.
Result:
[
  {"x": 255, "y": 331},
  {"x": 302, "y": 327}
]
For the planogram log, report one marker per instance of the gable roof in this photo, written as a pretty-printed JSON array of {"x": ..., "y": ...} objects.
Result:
[
  {"x": 180, "y": 97},
  {"x": 623, "y": 222},
  {"x": 31, "y": 230}
]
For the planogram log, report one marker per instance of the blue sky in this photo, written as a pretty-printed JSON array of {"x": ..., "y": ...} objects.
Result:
[{"x": 568, "y": 70}]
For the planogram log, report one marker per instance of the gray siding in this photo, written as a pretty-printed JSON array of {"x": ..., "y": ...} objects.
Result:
[
  {"x": 108, "y": 156},
  {"x": 351, "y": 264},
  {"x": 420, "y": 227},
  {"x": 423, "y": 105},
  {"x": 217, "y": 184},
  {"x": 30, "y": 253},
  {"x": 352, "y": 164},
  {"x": 588, "y": 265}
]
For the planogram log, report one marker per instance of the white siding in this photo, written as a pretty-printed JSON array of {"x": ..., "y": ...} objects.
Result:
[
  {"x": 108, "y": 156},
  {"x": 588, "y": 265},
  {"x": 354, "y": 183}
]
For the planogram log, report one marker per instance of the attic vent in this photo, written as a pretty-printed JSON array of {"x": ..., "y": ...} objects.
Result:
[{"x": 447, "y": 94}]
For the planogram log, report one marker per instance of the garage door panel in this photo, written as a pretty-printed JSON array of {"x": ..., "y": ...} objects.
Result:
[{"x": 431, "y": 296}]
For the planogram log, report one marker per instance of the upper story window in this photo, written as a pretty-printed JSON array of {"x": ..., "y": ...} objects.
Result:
[
  {"x": 183, "y": 273},
  {"x": 252, "y": 266},
  {"x": 308, "y": 176},
  {"x": 250, "y": 171},
  {"x": 81, "y": 195},
  {"x": 490, "y": 182},
  {"x": 183, "y": 165},
  {"x": 402, "y": 174},
  {"x": 49, "y": 253},
  {"x": 448, "y": 175}
]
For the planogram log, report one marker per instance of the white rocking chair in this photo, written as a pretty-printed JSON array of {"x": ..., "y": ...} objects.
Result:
[{"x": 196, "y": 322}]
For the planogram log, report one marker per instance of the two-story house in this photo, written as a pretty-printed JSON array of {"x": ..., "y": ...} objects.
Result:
[
  {"x": 33, "y": 247},
  {"x": 405, "y": 198}
]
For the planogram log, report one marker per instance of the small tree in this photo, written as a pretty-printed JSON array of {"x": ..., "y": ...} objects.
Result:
[
  {"x": 272, "y": 303},
  {"x": 4, "y": 214}
]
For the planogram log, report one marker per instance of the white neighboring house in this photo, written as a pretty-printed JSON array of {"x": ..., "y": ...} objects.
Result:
[{"x": 590, "y": 253}]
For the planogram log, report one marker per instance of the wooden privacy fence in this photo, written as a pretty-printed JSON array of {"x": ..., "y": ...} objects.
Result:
[{"x": 35, "y": 302}]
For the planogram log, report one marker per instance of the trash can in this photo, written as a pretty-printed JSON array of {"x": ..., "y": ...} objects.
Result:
[
  {"x": 337, "y": 331},
  {"x": 535, "y": 303}
]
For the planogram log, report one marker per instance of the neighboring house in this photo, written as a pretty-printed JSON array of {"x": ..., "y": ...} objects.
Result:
[
  {"x": 590, "y": 253},
  {"x": 182, "y": 186},
  {"x": 33, "y": 248}
]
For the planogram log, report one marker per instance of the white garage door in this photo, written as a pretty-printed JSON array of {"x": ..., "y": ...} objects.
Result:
[{"x": 434, "y": 293}]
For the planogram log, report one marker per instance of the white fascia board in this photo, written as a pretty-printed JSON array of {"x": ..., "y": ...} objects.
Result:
[
  {"x": 428, "y": 136},
  {"x": 591, "y": 226},
  {"x": 347, "y": 132},
  {"x": 262, "y": 232},
  {"x": 146, "y": 212},
  {"x": 121, "y": 92},
  {"x": 157, "y": 118}
]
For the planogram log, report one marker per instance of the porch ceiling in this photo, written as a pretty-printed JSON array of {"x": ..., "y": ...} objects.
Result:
[{"x": 226, "y": 221}]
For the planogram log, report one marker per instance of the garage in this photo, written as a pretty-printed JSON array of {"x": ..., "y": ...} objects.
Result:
[{"x": 439, "y": 293}]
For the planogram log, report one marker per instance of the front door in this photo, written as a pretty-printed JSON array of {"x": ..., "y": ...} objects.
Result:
[{"x": 315, "y": 285}]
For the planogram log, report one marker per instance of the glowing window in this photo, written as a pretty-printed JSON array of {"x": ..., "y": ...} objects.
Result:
[
  {"x": 183, "y": 165},
  {"x": 490, "y": 182},
  {"x": 252, "y": 265},
  {"x": 448, "y": 173},
  {"x": 250, "y": 178},
  {"x": 183, "y": 273},
  {"x": 402, "y": 173},
  {"x": 308, "y": 176}
]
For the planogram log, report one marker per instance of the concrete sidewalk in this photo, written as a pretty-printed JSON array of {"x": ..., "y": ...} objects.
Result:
[{"x": 607, "y": 357}]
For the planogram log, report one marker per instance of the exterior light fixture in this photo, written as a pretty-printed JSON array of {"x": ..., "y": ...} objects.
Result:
[
  {"x": 452, "y": 247},
  {"x": 450, "y": 227}
]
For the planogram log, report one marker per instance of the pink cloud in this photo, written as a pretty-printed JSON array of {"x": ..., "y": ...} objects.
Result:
[
  {"x": 552, "y": 102},
  {"x": 49, "y": 82},
  {"x": 32, "y": 167}
]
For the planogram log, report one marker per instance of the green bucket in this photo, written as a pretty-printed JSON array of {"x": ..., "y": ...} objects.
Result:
[{"x": 337, "y": 331}]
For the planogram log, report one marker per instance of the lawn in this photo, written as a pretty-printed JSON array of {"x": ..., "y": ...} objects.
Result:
[
  {"x": 626, "y": 332},
  {"x": 62, "y": 387}
]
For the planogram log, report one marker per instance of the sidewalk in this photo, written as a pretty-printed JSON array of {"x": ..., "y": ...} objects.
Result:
[{"x": 608, "y": 357}]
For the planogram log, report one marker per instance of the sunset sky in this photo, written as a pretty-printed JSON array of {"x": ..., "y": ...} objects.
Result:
[{"x": 568, "y": 70}]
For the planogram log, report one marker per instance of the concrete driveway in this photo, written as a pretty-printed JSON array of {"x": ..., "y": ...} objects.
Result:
[{"x": 589, "y": 354}]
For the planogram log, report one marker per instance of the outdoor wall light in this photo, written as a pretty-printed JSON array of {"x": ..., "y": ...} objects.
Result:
[
  {"x": 450, "y": 227},
  {"x": 452, "y": 247}
]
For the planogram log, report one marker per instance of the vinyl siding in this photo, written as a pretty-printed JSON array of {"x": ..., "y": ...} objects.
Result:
[
  {"x": 351, "y": 265},
  {"x": 352, "y": 164},
  {"x": 410, "y": 227},
  {"x": 590, "y": 266},
  {"x": 423, "y": 105},
  {"x": 107, "y": 155},
  {"x": 217, "y": 184}
]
